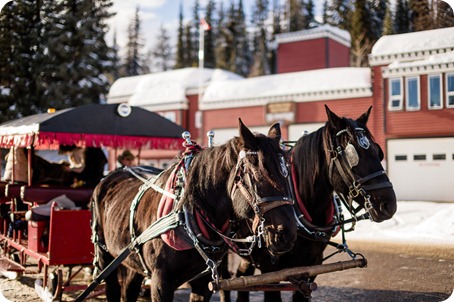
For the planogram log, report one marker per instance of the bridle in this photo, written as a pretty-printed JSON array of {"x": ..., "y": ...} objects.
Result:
[
  {"x": 344, "y": 159},
  {"x": 260, "y": 205}
]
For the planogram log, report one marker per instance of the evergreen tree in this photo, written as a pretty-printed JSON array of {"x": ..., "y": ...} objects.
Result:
[
  {"x": 76, "y": 55},
  {"x": 209, "y": 53},
  {"x": 388, "y": 22},
  {"x": 309, "y": 14},
  {"x": 116, "y": 66},
  {"x": 243, "y": 59},
  {"x": 420, "y": 15},
  {"x": 296, "y": 17},
  {"x": 189, "y": 46},
  {"x": 162, "y": 51},
  {"x": 261, "y": 56},
  {"x": 181, "y": 58},
  {"x": 340, "y": 14},
  {"x": 194, "y": 36},
  {"x": 401, "y": 17},
  {"x": 326, "y": 18},
  {"x": 360, "y": 34},
  {"x": 444, "y": 16},
  {"x": 224, "y": 39},
  {"x": 378, "y": 13},
  {"x": 133, "y": 59}
]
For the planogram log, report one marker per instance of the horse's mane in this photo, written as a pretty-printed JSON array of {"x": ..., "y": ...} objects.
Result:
[{"x": 211, "y": 169}]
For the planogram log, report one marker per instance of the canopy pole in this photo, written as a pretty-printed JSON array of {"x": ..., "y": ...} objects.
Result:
[
  {"x": 30, "y": 165},
  {"x": 138, "y": 155}
]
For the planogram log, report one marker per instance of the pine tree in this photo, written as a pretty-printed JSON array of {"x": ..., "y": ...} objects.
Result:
[
  {"x": 209, "y": 53},
  {"x": 194, "y": 35},
  {"x": 189, "y": 46},
  {"x": 261, "y": 56},
  {"x": 444, "y": 16},
  {"x": 309, "y": 13},
  {"x": 296, "y": 17},
  {"x": 243, "y": 59},
  {"x": 361, "y": 34},
  {"x": 326, "y": 18},
  {"x": 340, "y": 13},
  {"x": 401, "y": 17},
  {"x": 116, "y": 66},
  {"x": 134, "y": 59},
  {"x": 181, "y": 60},
  {"x": 388, "y": 22},
  {"x": 420, "y": 15},
  {"x": 224, "y": 39},
  {"x": 162, "y": 51}
]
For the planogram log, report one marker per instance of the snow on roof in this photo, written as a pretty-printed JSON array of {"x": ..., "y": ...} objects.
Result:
[
  {"x": 168, "y": 89},
  {"x": 323, "y": 31},
  {"x": 331, "y": 83},
  {"x": 435, "y": 63},
  {"x": 412, "y": 46}
]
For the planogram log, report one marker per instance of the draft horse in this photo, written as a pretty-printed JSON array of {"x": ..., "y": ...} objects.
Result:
[
  {"x": 340, "y": 157},
  {"x": 241, "y": 182}
]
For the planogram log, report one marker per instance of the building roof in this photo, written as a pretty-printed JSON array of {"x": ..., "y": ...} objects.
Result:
[
  {"x": 323, "y": 31},
  {"x": 433, "y": 64},
  {"x": 412, "y": 46},
  {"x": 164, "y": 90},
  {"x": 313, "y": 85}
]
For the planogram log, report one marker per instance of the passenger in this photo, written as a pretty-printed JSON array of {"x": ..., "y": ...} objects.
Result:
[
  {"x": 86, "y": 165},
  {"x": 126, "y": 159},
  {"x": 16, "y": 160}
]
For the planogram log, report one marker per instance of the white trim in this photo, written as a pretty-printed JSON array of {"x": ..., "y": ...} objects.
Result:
[
  {"x": 406, "y": 56},
  {"x": 297, "y": 97},
  {"x": 440, "y": 77},
  {"x": 391, "y": 71},
  {"x": 390, "y": 96},
  {"x": 449, "y": 93},
  {"x": 407, "y": 94},
  {"x": 325, "y": 31}
]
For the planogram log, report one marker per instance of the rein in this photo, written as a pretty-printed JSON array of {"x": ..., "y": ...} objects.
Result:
[{"x": 344, "y": 159}]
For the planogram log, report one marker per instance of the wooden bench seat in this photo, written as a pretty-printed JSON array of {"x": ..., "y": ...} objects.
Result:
[{"x": 43, "y": 194}]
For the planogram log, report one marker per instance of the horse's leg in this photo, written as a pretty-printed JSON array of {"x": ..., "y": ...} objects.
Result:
[
  {"x": 161, "y": 289},
  {"x": 199, "y": 289},
  {"x": 131, "y": 283},
  {"x": 113, "y": 288},
  {"x": 245, "y": 268}
]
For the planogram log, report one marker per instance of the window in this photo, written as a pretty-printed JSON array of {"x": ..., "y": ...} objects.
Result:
[
  {"x": 419, "y": 157},
  {"x": 439, "y": 156},
  {"x": 395, "y": 94},
  {"x": 450, "y": 90},
  {"x": 412, "y": 96},
  {"x": 434, "y": 91},
  {"x": 401, "y": 157}
]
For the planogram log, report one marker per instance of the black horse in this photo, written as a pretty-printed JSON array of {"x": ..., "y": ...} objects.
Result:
[
  {"x": 240, "y": 182},
  {"x": 340, "y": 157}
]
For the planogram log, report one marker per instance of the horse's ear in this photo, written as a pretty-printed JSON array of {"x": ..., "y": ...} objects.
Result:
[
  {"x": 275, "y": 132},
  {"x": 364, "y": 117},
  {"x": 334, "y": 121},
  {"x": 246, "y": 136}
]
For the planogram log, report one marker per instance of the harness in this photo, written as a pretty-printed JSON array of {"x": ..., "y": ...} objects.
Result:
[
  {"x": 184, "y": 219},
  {"x": 342, "y": 159}
]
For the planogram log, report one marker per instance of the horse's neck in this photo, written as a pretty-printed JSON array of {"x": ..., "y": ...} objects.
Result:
[{"x": 314, "y": 188}]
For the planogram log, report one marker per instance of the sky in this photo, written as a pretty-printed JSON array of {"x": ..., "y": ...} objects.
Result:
[{"x": 153, "y": 13}]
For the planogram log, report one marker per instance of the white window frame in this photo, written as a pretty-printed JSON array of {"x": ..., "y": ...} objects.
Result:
[
  {"x": 418, "y": 94},
  {"x": 429, "y": 92},
  {"x": 397, "y": 97},
  {"x": 449, "y": 93}
]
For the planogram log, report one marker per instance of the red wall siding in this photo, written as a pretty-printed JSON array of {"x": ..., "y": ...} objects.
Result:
[
  {"x": 378, "y": 109},
  {"x": 301, "y": 55},
  {"x": 314, "y": 112},
  {"x": 227, "y": 118},
  {"x": 189, "y": 116},
  {"x": 339, "y": 54}
]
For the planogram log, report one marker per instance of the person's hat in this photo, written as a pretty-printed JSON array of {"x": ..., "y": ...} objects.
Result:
[{"x": 126, "y": 155}]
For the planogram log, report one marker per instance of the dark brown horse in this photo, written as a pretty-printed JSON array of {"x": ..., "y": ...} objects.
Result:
[
  {"x": 340, "y": 157},
  {"x": 241, "y": 182}
]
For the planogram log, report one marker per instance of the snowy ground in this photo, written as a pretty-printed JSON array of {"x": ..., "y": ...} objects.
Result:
[{"x": 414, "y": 222}]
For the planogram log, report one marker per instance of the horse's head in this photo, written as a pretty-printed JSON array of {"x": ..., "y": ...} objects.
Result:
[
  {"x": 260, "y": 191},
  {"x": 355, "y": 169}
]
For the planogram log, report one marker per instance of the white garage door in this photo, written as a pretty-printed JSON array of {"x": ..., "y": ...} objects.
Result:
[{"x": 422, "y": 169}]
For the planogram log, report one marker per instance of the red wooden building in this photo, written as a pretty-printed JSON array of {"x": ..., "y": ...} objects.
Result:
[{"x": 410, "y": 85}]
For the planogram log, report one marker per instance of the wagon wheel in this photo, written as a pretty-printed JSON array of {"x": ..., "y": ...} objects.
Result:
[{"x": 55, "y": 284}]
